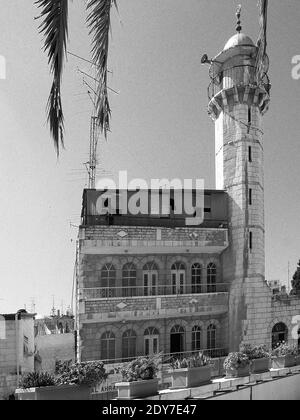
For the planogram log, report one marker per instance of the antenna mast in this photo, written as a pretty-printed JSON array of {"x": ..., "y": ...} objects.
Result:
[{"x": 94, "y": 136}]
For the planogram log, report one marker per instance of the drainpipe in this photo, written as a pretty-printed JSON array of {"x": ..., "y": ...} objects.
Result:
[{"x": 17, "y": 346}]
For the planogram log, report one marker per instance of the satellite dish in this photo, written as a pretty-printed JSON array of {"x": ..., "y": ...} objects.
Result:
[{"x": 205, "y": 59}]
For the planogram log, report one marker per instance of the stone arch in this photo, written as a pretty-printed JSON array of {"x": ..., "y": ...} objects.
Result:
[
  {"x": 155, "y": 323},
  {"x": 212, "y": 321},
  {"x": 284, "y": 319},
  {"x": 216, "y": 261},
  {"x": 179, "y": 258},
  {"x": 129, "y": 259},
  {"x": 197, "y": 323},
  {"x": 129, "y": 326},
  {"x": 197, "y": 260},
  {"x": 107, "y": 328},
  {"x": 173, "y": 322},
  {"x": 281, "y": 333},
  {"x": 110, "y": 260},
  {"x": 152, "y": 258}
]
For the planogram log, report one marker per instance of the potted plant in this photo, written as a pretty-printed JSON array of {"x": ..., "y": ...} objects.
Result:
[
  {"x": 32, "y": 381},
  {"x": 237, "y": 365},
  {"x": 259, "y": 357},
  {"x": 284, "y": 356},
  {"x": 139, "y": 378},
  {"x": 71, "y": 382},
  {"x": 190, "y": 371},
  {"x": 297, "y": 358}
]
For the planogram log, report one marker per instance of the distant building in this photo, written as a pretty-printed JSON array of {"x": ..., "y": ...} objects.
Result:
[
  {"x": 149, "y": 282},
  {"x": 54, "y": 324},
  {"x": 54, "y": 341},
  {"x": 16, "y": 349},
  {"x": 275, "y": 286}
]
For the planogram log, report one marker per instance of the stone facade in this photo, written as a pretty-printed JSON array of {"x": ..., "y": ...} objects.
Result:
[
  {"x": 164, "y": 310},
  {"x": 237, "y": 107},
  {"x": 239, "y": 306},
  {"x": 16, "y": 350}
]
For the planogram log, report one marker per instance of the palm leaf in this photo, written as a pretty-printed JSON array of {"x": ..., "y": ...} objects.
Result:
[
  {"x": 55, "y": 30},
  {"x": 262, "y": 40},
  {"x": 99, "y": 23}
]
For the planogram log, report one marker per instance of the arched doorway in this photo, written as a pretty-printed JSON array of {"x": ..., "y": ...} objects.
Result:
[
  {"x": 129, "y": 344},
  {"x": 196, "y": 278},
  {"x": 178, "y": 278},
  {"x": 150, "y": 279},
  {"x": 279, "y": 334},
  {"x": 151, "y": 341},
  {"x": 177, "y": 336},
  {"x": 211, "y": 278},
  {"x": 196, "y": 338}
]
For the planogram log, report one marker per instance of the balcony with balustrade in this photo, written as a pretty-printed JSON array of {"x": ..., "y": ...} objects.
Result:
[{"x": 110, "y": 304}]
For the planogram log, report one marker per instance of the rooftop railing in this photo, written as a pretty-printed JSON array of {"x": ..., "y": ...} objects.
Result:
[{"x": 167, "y": 358}]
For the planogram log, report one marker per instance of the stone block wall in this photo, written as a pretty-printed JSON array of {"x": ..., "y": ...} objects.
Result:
[
  {"x": 91, "y": 333},
  {"x": 90, "y": 266},
  {"x": 54, "y": 347},
  {"x": 12, "y": 353}
]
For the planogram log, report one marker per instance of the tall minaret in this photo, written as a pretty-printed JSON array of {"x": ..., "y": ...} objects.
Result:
[{"x": 238, "y": 100}]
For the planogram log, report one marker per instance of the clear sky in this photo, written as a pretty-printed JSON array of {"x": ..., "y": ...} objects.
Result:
[{"x": 160, "y": 128}]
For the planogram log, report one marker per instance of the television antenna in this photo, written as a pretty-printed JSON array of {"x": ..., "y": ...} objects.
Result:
[{"x": 90, "y": 83}]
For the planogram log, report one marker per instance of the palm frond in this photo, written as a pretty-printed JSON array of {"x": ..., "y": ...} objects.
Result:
[
  {"x": 99, "y": 23},
  {"x": 262, "y": 40},
  {"x": 55, "y": 30}
]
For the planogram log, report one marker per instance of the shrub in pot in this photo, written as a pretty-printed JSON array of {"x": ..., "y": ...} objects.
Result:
[
  {"x": 236, "y": 365},
  {"x": 259, "y": 357},
  {"x": 37, "y": 380},
  {"x": 284, "y": 356},
  {"x": 71, "y": 382},
  {"x": 191, "y": 371},
  {"x": 298, "y": 358},
  {"x": 139, "y": 378},
  {"x": 83, "y": 374}
]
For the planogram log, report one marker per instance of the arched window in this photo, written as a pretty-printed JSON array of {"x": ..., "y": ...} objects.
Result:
[
  {"x": 177, "y": 339},
  {"x": 108, "y": 281},
  {"x": 196, "y": 278},
  {"x": 151, "y": 341},
  {"x": 178, "y": 278},
  {"x": 211, "y": 278},
  {"x": 211, "y": 337},
  {"x": 129, "y": 280},
  {"x": 129, "y": 344},
  {"x": 196, "y": 338},
  {"x": 279, "y": 334},
  {"x": 108, "y": 346},
  {"x": 150, "y": 279}
]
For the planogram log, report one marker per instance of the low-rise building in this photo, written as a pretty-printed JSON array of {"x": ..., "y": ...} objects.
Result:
[{"x": 16, "y": 349}]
